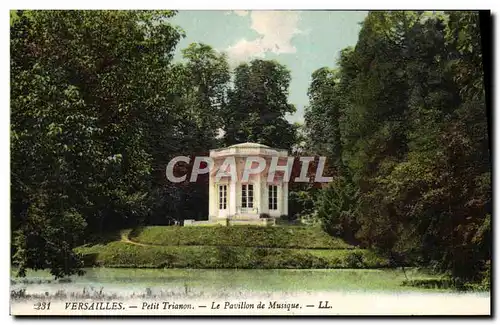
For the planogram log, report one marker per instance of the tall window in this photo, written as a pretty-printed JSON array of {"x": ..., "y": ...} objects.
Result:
[
  {"x": 222, "y": 197},
  {"x": 273, "y": 197},
  {"x": 247, "y": 196}
]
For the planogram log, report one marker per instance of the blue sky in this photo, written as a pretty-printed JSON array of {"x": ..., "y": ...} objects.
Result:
[{"x": 302, "y": 40}]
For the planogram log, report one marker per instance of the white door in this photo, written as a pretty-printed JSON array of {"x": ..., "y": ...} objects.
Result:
[
  {"x": 222, "y": 200},
  {"x": 272, "y": 198},
  {"x": 247, "y": 199}
]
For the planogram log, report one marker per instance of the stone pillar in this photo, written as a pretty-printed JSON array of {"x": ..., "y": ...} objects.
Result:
[
  {"x": 257, "y": 195},
  {"x": 232, "y": 197},
  {"x": 285, "y": 198},
  {"x": 264, "y": 197},
  {"x": 213, "y": 197}
]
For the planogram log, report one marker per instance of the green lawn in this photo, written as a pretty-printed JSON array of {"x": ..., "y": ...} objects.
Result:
[
  {"x": 231, "y": 280},
  {"x": 242, "y": 247},
  {"x": 243, "y": 236},
  {"x": 120, "y": 254}
]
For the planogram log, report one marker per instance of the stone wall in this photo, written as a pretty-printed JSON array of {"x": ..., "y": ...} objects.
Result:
[{"x": 231, "y": 222}]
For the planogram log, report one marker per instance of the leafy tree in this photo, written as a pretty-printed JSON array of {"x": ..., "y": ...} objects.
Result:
[
  {"x": 208, "y": 73},
  {"x": 322, "y": 117},
  {"x": 198, "y": 89},
  {"x": 257, "y": 106},
  {"x": 83, "y": 105},
  {"x": 414, "y": 137}
]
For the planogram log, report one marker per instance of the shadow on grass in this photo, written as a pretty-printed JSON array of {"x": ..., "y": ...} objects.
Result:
[
  {"x": 102, "y": 239},
  {"x": 89, "y": 259},
  {"x": 430, "y": 283},
  {"x": 136, "y": 232}
]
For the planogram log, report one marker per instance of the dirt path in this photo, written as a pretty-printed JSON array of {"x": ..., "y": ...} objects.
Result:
[{"x": 124, "y": 238}]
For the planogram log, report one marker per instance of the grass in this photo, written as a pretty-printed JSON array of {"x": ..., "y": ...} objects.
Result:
[
  {"x": 172, "y": 282},
  {"x": 217, "y": 247},
  {"x": 121, "y": 254},
  {"x": 241, "y": 236}
]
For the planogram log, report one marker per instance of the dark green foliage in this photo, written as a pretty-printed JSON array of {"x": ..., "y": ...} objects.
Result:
[
  {"x": 300, "y": 202},
  {"x": 257, "y": 104},
  {"x": 287, "y": 220},
  {"x": 354, "y": 260},
  {"x": 81, "y": 107},
  {"x": 322, "y": 117},
  {"x": 408, "y": 101},
  {"x": 264, "y": 216},
  {"x": 337, "y": 208},
  {"x": 57, "y": 234}
]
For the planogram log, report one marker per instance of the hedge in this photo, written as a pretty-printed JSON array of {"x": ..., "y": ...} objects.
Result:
[
  {"x": 241, "y": 236},
  {"x": 122, "y": 254}
]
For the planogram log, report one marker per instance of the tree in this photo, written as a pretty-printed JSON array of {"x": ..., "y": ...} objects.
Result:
[
  {"x": 257, "y": 106},
  {"x": 322, "y": 117},
  {"x": 198, "y": 89},
  {"x": 87, "y": 88},
  {"x": 207, "y": 72},
  {"x": 414, "y": 137}
]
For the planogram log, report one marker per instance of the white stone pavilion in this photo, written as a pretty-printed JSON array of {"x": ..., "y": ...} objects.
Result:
[{"x": 239, "y": 201}]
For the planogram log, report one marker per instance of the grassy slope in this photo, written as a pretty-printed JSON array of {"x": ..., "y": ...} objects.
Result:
[
  {"x": 229, "y": 247},
  {"x": 245, "y": 236},
  {"x": 120, "y": 254}
]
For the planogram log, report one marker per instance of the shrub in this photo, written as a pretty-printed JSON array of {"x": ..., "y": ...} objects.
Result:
[
  {"x": 284, "y": 217},
  {"x": 308, "y": 261},
  {"x": 337, "y": 208},
  {"x": 285, "y": 220},
  {"x": 265, "y": 216},
  {"x": 300, "y": 203},
  {"x": 354, "y": 260},
  {"x": 335, "y": 263}
]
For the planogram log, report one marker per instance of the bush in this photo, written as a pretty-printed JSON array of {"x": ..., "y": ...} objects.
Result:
[
  {"x": 264, "y": 216},
  {"x": 354, "y": 260},
  {"x": 337, "y": 208},
  {"x": 335, "y": 263},
  {"x": 486, "y": 277},
  {"x": 285, "y": 223},
  {"x": 308, "y": 261},
  {"x": 300, "y": 203}
]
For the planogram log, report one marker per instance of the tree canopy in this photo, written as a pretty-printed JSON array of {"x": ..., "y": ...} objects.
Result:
[{"x": 409, "y": 102}]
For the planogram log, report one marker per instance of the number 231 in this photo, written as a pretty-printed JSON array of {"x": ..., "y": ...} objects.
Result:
[{"x": 42, "y": 306}]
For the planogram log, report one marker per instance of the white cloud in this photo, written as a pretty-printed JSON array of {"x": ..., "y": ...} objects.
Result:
[{"x": 276, "y": 30}]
